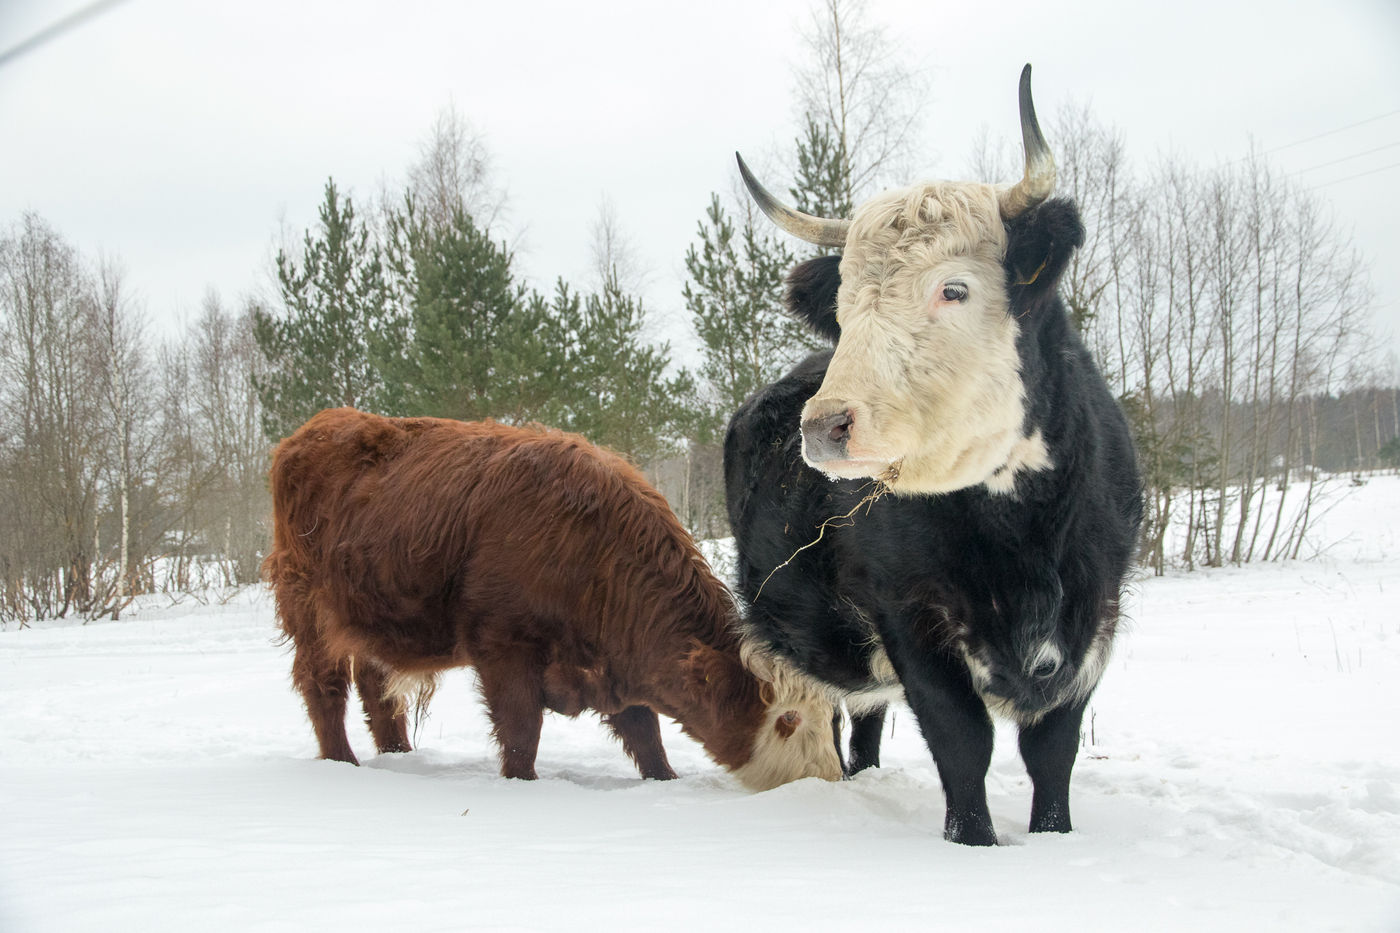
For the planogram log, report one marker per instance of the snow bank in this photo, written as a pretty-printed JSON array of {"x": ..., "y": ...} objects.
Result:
[{"x": 1240, "y": 773}]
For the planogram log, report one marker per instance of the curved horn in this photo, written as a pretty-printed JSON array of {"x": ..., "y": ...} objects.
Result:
[
  {"x": 816, "y": 230},
  {"x": 1039, "y": 180}
]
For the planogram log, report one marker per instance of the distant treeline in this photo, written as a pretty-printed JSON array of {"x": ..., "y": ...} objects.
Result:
[{"x": 1225, "y": 309}]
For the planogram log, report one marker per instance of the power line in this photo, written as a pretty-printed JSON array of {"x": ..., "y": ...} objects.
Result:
[
  {"x": 1337, "y": 181},
  {"x": 1348, "y": 158},
  {"x": 1340, "y": 129},
  {"x": 49, "y": 33}
]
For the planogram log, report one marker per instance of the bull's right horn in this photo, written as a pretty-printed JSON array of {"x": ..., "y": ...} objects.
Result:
[
  {"x": 818, "y": 230},
  {"x": 1039, "y": 179}
]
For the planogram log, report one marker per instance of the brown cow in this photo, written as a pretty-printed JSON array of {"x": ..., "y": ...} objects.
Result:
[{"x": 407, "y": 546}]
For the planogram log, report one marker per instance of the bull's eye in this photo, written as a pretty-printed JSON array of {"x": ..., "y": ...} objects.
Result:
[{"x": 954, "y": 291}]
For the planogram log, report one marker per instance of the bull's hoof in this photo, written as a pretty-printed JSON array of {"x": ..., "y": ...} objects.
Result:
[
  {"x": 1054, "y": 819},
  {"x": 969, "y": 831}
]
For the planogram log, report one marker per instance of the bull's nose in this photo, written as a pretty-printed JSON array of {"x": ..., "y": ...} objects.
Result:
[{"x": 825, "y": 438}]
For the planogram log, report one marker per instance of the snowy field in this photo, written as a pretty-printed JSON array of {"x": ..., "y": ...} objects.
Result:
[{"x": 1243, "y": 773}]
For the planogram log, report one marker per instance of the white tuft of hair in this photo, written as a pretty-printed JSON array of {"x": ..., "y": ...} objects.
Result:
[{"x": 410, "y": 692}]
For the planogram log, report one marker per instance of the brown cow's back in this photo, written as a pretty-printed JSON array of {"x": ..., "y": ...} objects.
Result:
[{"x": 536, "y": 520}]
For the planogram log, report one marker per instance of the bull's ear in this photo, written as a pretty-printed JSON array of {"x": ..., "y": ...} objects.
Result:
[
  {"x": 811, "y": 294},
  {"x": 1040, "y": 242}
]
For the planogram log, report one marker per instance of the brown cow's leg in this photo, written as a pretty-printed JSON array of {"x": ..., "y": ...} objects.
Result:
[
  {"x": 513, "y": 689},
  {"x": 387, "y": 720},
  {"x": 324, "y": 683},
  {"x": 640, "y": 732}
]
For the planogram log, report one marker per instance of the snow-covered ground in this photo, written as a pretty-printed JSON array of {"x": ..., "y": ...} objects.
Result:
[{"x": 1243, "y": 773}]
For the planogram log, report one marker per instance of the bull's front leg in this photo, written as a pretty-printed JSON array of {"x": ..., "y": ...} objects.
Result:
[
  {"x": 1048, "y": 747},
  {"x": 959, "y": 733}
]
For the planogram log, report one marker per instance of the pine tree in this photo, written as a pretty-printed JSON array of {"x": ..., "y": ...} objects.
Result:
[
  {"x": 735, "y": 299},
  {"x": 823, "y": 173},
  {"x": 469, "y": 342},
  {"x": 335, "y": 301},
  {"x": 618, "y": 393}
]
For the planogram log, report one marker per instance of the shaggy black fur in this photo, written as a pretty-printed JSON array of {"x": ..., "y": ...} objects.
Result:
[{"x": 931, "y": 575}]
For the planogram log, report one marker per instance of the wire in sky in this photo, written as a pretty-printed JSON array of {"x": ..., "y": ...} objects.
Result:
[
  {"x": 1347, "y": 158},
  {"x": 1339, "y": 129},
  {"x": 49, "y": 33},
  {"x": 1322, "y": 135},
  {"x": 1337, "y": 181}
]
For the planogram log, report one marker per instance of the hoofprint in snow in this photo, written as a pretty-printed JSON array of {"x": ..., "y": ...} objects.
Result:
[{"x": 1241, "y": 771}]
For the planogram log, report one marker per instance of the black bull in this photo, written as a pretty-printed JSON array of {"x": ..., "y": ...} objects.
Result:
[{"x": 837, "y": 579}]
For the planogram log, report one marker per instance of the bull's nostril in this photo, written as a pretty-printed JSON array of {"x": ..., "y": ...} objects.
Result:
[{"x": 825, "y": 437}]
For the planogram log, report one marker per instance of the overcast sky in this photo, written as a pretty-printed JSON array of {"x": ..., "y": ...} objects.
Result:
[{"x": 182, "y": 138}]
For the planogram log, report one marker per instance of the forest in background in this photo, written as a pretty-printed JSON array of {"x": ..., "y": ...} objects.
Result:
[{"x": 1225, "y": 307}]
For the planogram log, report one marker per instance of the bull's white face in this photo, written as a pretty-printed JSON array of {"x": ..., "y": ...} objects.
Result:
[{"x": 924, "y": 389}]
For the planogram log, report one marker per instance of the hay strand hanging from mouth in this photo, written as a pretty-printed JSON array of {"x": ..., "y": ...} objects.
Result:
[{"x": 882, "y": 484}]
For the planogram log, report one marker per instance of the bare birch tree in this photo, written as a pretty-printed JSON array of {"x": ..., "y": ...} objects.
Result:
[
  {"x": 117, "y": 329},
  {"x": 225, "y": 366},
  {"x": 53, "y": 416},
  {"x": 453, "y": 172},
  {"x": 857, "y": 85}
]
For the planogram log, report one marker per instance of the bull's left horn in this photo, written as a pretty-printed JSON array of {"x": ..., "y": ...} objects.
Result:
[
  {"x": 818, "y": 230},
  {"x": 1039, "y": 179}
]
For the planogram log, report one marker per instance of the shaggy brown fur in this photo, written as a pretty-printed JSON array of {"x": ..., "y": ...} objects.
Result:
[{"x": 407, "y": 546}]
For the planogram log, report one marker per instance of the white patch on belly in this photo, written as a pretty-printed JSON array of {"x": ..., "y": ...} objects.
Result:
[
  {"x": 1085, "y": 680},
  {"x": 1095, "y": 660},
  {"x": 884, "y": 687}
]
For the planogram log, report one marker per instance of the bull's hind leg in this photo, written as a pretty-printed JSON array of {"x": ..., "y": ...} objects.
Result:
[
  {"x": 385, "y": 715},
  {"x": 865, "y": 740},
  {"x": 1048, "y": 748},
  {"x": 513, "y": 688},
  {"x": 640, "y": 732},
  {"x": 324, "y": 683}
]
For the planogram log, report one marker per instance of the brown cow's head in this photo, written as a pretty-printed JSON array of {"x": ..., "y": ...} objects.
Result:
[
  {"x": 795, "y": 738},
  {"x": 759, "y": 717},
  {"x": 924, "y": 389}
]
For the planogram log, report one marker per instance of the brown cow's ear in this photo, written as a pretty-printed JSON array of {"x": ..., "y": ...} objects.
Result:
[
  {"x": 703, "y": 668},
  {"x": 695, "y": 657},
  {"x": 714, "y": 675}
]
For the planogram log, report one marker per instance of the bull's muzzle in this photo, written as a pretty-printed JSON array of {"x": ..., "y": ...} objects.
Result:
[{"x": 825, "y": 438}]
